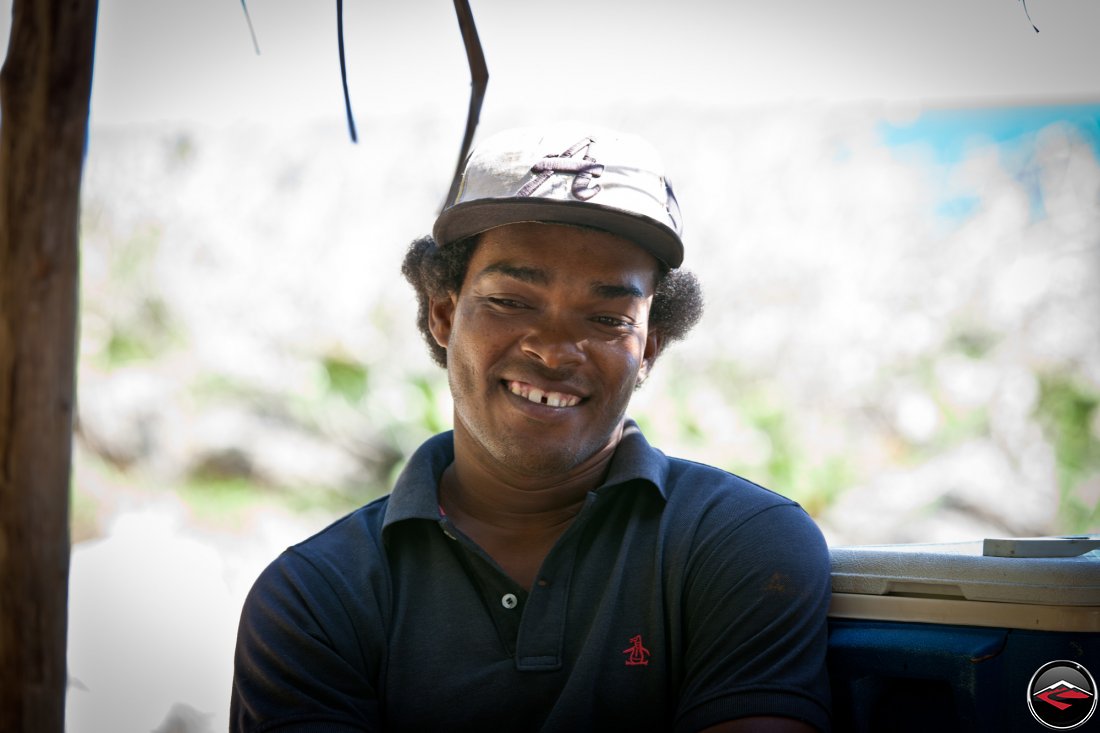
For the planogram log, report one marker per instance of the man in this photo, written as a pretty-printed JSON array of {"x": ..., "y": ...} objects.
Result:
[{"x": 541, "y": 567}]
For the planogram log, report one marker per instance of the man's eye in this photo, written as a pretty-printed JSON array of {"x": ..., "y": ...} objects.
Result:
[
  {"x": 613, "y": 322},
  {"x": 505, "y": 302}
]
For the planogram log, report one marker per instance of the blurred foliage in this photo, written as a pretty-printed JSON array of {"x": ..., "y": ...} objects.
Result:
[
  {"x": 1068, "y": 412},
  {"x": 973, "y": 341},
  {"x": 245, "y": 336},
  {"x": 346, "y": 377},
  {"x": 435, "y": 395},
  {"x": 143, "y": 336},
  {"x": 768, "y": 448},
  {"x": 83, "y": 513},
  {"x": 139, "y": 326},
  {"x": 230, "y": 502}
]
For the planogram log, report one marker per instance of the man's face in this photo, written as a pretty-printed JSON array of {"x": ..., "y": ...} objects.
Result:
[{"x": 546, "y": 342}]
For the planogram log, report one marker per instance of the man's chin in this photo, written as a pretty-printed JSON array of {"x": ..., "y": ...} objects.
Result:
[
  {"x": 540, "y": 463},
  {"x": 540, "y": 452}
]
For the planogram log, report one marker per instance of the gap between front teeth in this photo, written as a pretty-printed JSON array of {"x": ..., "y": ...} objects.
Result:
[{"x": 533, "y": 394}]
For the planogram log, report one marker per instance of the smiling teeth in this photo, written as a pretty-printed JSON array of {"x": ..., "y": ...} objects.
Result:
[{"x": 533, "y": 394}]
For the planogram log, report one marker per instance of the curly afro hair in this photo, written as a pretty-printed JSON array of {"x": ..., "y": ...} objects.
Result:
[{"x": 437, "y": 271}]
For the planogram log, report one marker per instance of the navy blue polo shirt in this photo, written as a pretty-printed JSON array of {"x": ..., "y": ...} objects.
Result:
[{"x": 680, "y": 596}]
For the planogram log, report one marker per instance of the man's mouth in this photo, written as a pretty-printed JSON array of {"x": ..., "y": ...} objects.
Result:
[{"x": 541, "y": 397}]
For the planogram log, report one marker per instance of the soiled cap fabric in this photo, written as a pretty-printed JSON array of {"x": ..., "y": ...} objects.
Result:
[{"x": 567, "y": 174}]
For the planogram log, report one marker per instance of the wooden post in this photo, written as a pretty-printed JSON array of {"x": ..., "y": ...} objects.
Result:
[{"x": 45, "y": 87}]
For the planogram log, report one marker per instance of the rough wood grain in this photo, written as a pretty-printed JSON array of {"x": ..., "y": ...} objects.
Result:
[{"x": 45, "y": 86}]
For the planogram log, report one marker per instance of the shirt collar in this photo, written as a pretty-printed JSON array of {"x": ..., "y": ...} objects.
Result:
[
  {"x": 636, "y": 460},
  {"x": 415, "y": 494}
]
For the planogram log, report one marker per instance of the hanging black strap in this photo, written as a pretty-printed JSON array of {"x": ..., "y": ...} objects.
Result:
[
  {"x": 344, "y": 68},
  {"x": 479, "y": 81}
]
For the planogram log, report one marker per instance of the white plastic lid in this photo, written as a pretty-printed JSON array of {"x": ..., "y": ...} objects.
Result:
[{"x": 961, "y": 570}]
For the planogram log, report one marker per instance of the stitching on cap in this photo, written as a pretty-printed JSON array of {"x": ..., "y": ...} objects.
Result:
[{"x": 583, "y": 170}]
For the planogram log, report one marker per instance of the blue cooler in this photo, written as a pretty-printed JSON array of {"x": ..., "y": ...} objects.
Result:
[{"x": 962, "y": 637}]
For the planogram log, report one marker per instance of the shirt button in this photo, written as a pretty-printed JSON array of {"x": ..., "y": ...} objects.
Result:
[{"x": 509, "y": 601}]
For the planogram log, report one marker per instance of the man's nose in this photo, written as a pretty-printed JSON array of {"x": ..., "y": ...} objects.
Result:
[{"x": 554, "y": 342}]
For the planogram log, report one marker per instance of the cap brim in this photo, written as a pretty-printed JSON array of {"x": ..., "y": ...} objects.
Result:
[{"x": 474, "y": 217}]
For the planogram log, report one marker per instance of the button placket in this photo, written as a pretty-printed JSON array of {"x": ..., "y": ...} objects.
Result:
[{"x": 542, "y": 632}]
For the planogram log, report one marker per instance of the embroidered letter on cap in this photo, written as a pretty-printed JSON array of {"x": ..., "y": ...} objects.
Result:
[{"x": 583, "y": 169}]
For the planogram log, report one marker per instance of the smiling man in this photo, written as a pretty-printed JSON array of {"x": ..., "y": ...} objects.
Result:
[{"x": 541, "y": 567}]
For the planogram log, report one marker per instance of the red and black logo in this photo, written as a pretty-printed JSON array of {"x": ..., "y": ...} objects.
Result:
[{"x": 1062, "y": 695}]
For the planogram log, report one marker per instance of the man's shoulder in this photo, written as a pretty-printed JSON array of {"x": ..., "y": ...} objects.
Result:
[
  {"x": 359, "y": 537},
  {"x": 696, "y": 483},
  {"x": 339, "y": 573},
  {"x": 349, "y": 540},
  {"x": 686, "y": 482},
  {"x": 712, "y": 505}
]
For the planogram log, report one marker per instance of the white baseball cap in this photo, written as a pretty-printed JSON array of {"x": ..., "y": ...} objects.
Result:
[{"x": 567, "y": 174}]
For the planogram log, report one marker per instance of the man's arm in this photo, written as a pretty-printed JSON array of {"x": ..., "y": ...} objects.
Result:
[
  {"x": 299, "y": 659},
  {"x": 756, "y": 623}
]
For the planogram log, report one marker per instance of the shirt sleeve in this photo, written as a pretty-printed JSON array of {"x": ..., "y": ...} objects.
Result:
[
  {"x": 756, "y": 601},
  {"x": 300, "y": 663}
]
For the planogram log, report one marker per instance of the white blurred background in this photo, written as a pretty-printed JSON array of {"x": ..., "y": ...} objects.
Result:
[{"x": 894, "y": 208}]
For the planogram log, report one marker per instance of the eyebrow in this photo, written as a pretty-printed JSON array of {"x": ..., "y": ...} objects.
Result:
[
  {"x": 536, "y": 276},
  {"x": 611, "y": 292},
  {"x": 531, "y": 275}
]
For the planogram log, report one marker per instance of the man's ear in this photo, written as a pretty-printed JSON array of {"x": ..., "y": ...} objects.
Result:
[
  {"x": 653, "y": 343},
  {"x": 441, "y": 313}
]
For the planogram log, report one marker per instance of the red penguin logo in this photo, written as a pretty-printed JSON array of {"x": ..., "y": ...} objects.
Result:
[{"x": 638, "y": 655}]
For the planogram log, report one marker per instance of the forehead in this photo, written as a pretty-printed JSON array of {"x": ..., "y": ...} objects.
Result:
[{"x": 562, "y": 251}]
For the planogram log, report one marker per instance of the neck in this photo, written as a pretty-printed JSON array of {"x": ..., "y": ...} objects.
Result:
[
  {"x": 478, "y": 487},
  {"x": 516, "y": 517}
]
